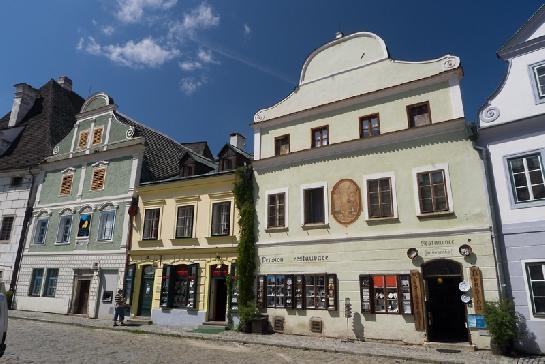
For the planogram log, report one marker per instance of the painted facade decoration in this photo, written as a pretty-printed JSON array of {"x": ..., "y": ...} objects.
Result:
[
  {"x": 184, "y": 242},
  {"x": 75, "y": 254},
  {"x": 396, "y": 130},
  {"x": 512, "y": 133},
  {"x": 28, "y": 133}
]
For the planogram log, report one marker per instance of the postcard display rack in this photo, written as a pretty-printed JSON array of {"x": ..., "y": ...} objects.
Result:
[{"x": 385, "y": 294}]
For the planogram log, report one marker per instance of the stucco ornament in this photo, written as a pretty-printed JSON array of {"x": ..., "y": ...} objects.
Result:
[
  {"x": 490, "y": 114},
  {"x": 346, "y": 201},
  {"x": 449, "y": 63},
  {"x": 56, "y": 150},
  {"x": 130, "y": 133}
]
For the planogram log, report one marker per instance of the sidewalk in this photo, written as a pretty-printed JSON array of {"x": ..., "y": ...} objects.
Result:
[{"x": 393, "y": 351}]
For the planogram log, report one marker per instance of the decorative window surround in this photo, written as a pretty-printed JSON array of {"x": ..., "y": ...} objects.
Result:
[
  {"x": 538, "y": 92},
  {"x": 187, "y": 201},
  {"x": 524, "y": 263},
  {"x": 432, "y": 167},
  {"x": 69, "y": 218},
  {"x": 97, "y": 136},
  {"x": 98, "y": 179},
  {"x": 365, "y": 204},
  {"x": 83, "y": 144},
  {"x": 67, "y": 182},
  {"x": 100, "y": 164},
  {"x": 102, "y": 235},
  {"x": 107, "y": 206},
  {"x": 326, "y": 203},
  {"x": 38, "y": 226},
  {"x": 512, "y": 202},
  {"x": 283, "y": 190}
]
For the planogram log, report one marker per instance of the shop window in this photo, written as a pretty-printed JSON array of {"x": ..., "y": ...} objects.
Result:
[
  {"x": 536, "y": 283},
  {"x": 36, "y": 282},
  {"x": 527, "y": 178},
  {"x": 179, "y": 286},
  {"x": 41, "y": 230},
  {"x": 419, "y": 114},
  {"x": 106, "y": 225},
  {"x": 97, "y": 135},
  {"x": 7, "y": 227},
  {"x": 184, "y": 222},
  {"x": 276, "y": 210},
  {"x": 66, "y": 184},
  {"x": 83, "y": 138},
  {"x": 279, "y": 291},
  {"x": 379, "y": 197},
  {"x": 65, "y": 227},
  {"x": 221, "y": 218},
  {"x": 314, "y": 208},
  {"x": 50, "y": 286},
  {"x": 84, "y": 226},
  {"x": 234, "y": 288},
  {"x": 97, "y": 182},
  {"x": 151, "y": 223},
  {"x": 369, "y": 126},
  {"x": 389, "y": 294},
  {"x": 432, "y": 191},
  {"x": 282, "y": 145},
  {"x": 320, "y": 137}
]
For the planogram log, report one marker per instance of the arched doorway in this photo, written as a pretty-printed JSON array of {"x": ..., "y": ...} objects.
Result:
[{"x": 446, "y": 313}]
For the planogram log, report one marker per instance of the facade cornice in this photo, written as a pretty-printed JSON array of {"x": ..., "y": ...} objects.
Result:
[
  {"x": 95, "y": 113},
  {"x": 198, "y": 180},
  {"x": 184, "y": 250}
]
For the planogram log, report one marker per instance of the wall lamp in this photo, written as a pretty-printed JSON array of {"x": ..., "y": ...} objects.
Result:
[{"x": 412, "y": 253}]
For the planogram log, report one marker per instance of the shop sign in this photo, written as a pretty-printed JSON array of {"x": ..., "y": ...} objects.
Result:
[
  {"x": 476, "y": 284},
  {"x": 265, "y": 259},
  {"x": 476, "y": 322},
  {"x": 222, "y": 271},
  {"x": 437, "y": 248},
  {"x": 295, "y": 259},
  {"x": 418, "y": 300}
]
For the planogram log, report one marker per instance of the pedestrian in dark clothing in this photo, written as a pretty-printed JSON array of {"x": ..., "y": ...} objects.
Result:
[{"x": 120, "y": 305}]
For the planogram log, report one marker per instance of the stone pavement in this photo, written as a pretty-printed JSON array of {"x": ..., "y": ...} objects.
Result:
[{"x": 368, "y": 349}]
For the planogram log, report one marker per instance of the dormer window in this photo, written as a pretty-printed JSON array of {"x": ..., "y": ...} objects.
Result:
[
  {"x": 226, "y": 164},
  {"x": 83, "y": 138},
  {"x": 539, "y": 74},
  {"x": 188, "y": 170}
]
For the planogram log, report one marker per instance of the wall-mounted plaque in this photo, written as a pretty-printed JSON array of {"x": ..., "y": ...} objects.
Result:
[{"x": 346, "y": 201}]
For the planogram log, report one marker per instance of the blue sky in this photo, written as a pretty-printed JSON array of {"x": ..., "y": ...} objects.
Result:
[{"x": 199, "y": 70}]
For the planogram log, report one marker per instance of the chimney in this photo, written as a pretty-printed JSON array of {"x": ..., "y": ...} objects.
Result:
[
  {"x": 238, "y": 140},
  {"x": 65, "y": 82},
  {"x": 23, "y": 101}
]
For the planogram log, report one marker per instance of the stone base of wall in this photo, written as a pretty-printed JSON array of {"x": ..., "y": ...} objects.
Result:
[{"x": 177, "y": 317}]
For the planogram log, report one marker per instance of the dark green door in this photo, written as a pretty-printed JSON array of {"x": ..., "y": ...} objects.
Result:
[{"x": 146, "y": 291}]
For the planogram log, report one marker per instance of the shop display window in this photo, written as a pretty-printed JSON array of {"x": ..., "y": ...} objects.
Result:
[
  {"x": 390, "y": 294},
  {"x": 179, "y": 285},
  {"x": 234, "y": 288}
]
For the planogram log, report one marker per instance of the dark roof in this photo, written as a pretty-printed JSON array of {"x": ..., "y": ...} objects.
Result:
[
  {"x": 200, "y": 148},
  {"x": 46, "y": 124},
  {"x": 236, "y": 150}
]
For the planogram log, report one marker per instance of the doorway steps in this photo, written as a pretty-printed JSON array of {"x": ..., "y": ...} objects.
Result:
[
  {"x": 211, "y": 327},
  {"x": 450, "y": 347},
  {"x": 138, "y": 321}
]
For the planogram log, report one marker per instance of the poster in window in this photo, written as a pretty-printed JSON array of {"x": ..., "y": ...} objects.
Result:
[
  {"x": 346, "y": 201},
  {"x": 84, "y": 225}
]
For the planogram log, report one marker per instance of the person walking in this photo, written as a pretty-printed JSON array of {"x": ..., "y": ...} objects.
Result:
[{"x": 120, "y": 304}]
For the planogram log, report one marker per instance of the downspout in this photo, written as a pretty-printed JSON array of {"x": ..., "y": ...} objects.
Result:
[
  {"x": 133, "y": 210},
  {"x": 497, "y": 236}
]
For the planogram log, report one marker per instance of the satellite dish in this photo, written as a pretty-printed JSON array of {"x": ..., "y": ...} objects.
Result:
[
  {"x": 464, "y": 286},
  {"x": 466, "y": 298}
]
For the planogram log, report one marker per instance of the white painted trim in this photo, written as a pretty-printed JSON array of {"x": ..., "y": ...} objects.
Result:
[
  {"x": 432, "y": 167},
  {"x": 307, "y": 186},
  {"x": 78, "y": 252},
  {"x": 126, "y": 227},
  {"x": 100, "y": 163},
  {"x": 456, "y": 98},
  {"x": 74, "y": 136},
  {"x": 134, "y": 170},
  {"x": 119, "y": 198},
  {"x": 365, "y": 206},
  {"x": 107, "y": 132},
  {"x": 528, "y": 293},
  {"x": 82, "y": 209},
  {"x": 40, "y": 182},
  {"x": 81, "y": 181},
  {"x": 286, "y": 206},
  {"x": 257, "y": 143}
]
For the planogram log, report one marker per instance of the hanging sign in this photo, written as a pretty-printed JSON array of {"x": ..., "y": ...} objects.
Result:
[
  {"x": 478, "y": 294},
  {"x": 418, "y": 300}
]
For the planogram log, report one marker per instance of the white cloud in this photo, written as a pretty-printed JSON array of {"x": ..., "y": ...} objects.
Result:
[
  {"x": 146, "y": 53},
  {"x": 247, "y": 30},
  {"x": 205, "y": 56},
  {"x": 108, "y": 30},
  {"x": 189, "y": 85},
  {"x": 201, "y": 17},
  {"x": 189, "y": 66},
  {"x": 131, "y": 11}
]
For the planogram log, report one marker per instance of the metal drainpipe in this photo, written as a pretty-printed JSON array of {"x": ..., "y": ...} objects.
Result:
[
  {"x": 497, "y": 238},
  {"x": 133, "y": 210}
]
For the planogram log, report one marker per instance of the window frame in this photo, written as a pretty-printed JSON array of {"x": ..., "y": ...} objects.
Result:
[
  {"x": 320, "y": 128},
  {"x": 46, "y": 282},
  {"x": 418, "y": 104},
  {"x": 63, "y": 176},
  {"x": 372, "y": 297},
  {"x": 416, "y": 192},
  {"x": 534, "y": 81},
  {"x": 88, "y": 131},
  {"x": 392, "y": 177},
  {"x": 112, "y": 211},
  {"x": 308, "y": 186},
  {"x": 36, "y": 226},
  {"x": 230, "y": 227},
  {"x": 277, "y": 191},
  {"x": 32, "y": 286},
  {"x": 529, "y": 295},
  {"x": 159, "y": 209},
  {"x": 369, "y": 117},
  {"x": 279, "y": 138},
  {"x": 93, "y": 135},
  {"x": 192, "y": 227},
  {"x": 69, "y": 217},
  {"x": 95, "y": 170},
  {"x": 513, "y": 198},
  {"x": 2, "y": 222}
]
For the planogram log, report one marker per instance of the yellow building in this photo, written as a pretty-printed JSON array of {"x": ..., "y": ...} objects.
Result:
[{"x": 184, "y": 240}]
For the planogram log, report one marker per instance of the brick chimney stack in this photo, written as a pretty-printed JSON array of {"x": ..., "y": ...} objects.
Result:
[
  {"x": 25, "y": 95},
  {"x": 238, "y": 140},
  {"x": 65, "y": 82}
]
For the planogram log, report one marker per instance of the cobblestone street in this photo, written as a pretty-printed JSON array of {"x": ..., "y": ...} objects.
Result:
[{"x": 38, "y": 342}]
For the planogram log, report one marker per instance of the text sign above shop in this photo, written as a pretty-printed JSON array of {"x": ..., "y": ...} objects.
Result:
[
  {"x": 294, "y": 259},
  {"x": 437, "y": 248}
]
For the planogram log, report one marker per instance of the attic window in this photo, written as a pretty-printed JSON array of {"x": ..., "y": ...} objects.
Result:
[
  {"x": 66, "y": 184},
  {"x": 83, "y": 137},
  {"x": 98, "y": 179},
  {"x": 188, "y": 170},
  {"x": 97, "y": 136},
  {"x": 226, "y": 164},
  {"x": 16, "y": 181},
  {"x": 419, "y": 114}
]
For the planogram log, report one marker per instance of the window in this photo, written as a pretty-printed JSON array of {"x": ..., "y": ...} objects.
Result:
[
  {"x": 66, "y": 184},
  {"x": 282, "y": 145},
  {"x": 179, "y": 286},
  {"x": 84, "y": 226},
  {"x": 188, "y": 170},
  {"x": 97, "y": 182},
  {"x": 320, "y": 137},
  {"x": 7, "y": 226},
  {"x": 151, "y": 223},
  {"x": 16, "y": 181},
  {"x": 379, "y": 197},
  {"x": 315, "y": 291},
  {"x": 36, "y": 282},
  {"x": 539, "y": 74},
  {"x": 50, "y": 286},
  {"x": 65, "y": 226},
  {"x": 83, "y": 136},
  {"x": 226, "y": 164},
  {"x": 419, "y": 114},
  {"x": 276, "y": 210},
  {"x": 385, "y": 294},
  {"x": 527, "y": 178},
  {"x": 221, "y": 214},
  {"x": 106, "y": 225},
  {"x": 369, "y": 126},
  {"x": 277, "y": 293},
  {"x": 536, "y": 283},
  {"x": 314, "y": 211},
  {"x": 97, "y": 135},
  {"x": 184, "y": 224},
  {"x": 432, "y": 191},
  {"x": 41, "y": 230}
]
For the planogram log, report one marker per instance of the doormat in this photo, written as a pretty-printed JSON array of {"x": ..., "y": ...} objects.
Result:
[{"x": 209, "y": 330}]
